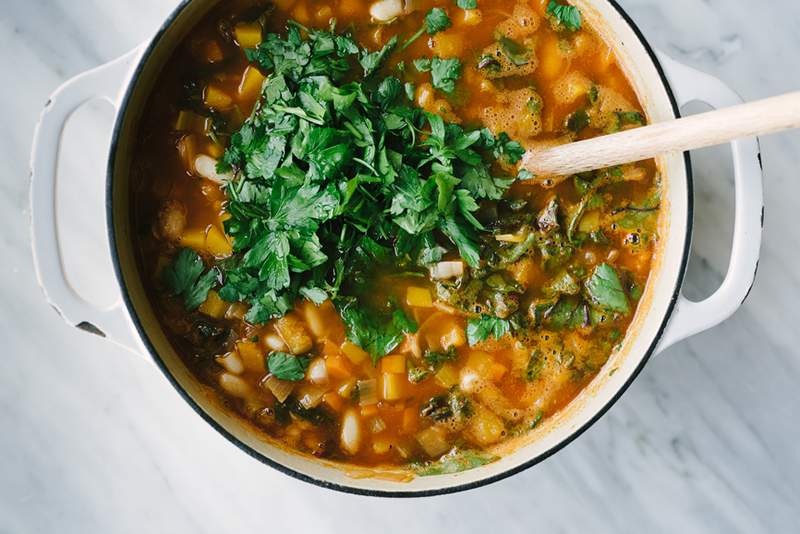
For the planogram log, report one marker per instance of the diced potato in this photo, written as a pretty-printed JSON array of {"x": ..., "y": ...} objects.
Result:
[
  {"x": 410, "y": 420},
  {"x": 252, "y": 355},
  {"x": 317, "y": 372},
  {"x": 215, "y": 97},
  {"x": 233, "y": 385},
  {"x": 394, "y": 363},
  {"x": 355, "y": 353},
  {"x": 419, "y": 297},
  {"x": 206, "y": 166},
  {"x": 323, "y": 321},
  {"x": 447, "y": 44},
  {"x": 589, "y": 222},
  {"x": 485, "y": 366},
  {"x": 392, "y": 386},
  {"x": 231, "y": 362},
  {"x": 250, "y": 86},
  {"x": 497, "y": 371},
  {"x": 551, "y": 58},
  {"x": 455, "y": 337},
  {"x": 472, "y": 17},
  {"x": 214, "y": 306},
  {"x": 572, "y": 88},
  {"x": 447, "y": 376},
  {"x": 248, "y": 35},
  {"x": 433, "y": 441},
  {"x": 485, "y": 428},
  {"x": 351, "y": 431},
  {"x": 381, "y": 445},
  {"x": 293, "y": 332}
]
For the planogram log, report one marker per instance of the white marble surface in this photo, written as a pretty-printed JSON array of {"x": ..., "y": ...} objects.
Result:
[{"x": 94, "y": 440}]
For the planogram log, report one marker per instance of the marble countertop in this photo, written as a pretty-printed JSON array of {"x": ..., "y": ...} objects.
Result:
[{"x": 95, "y": 440}]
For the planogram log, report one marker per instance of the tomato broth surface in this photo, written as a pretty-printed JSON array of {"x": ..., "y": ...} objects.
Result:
[{"x": 411, "y": 338}]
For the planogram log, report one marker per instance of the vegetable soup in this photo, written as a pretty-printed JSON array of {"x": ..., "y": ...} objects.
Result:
[{"x": 334, "y": 228}]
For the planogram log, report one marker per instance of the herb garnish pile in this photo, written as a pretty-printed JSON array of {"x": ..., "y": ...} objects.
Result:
[{"x": 337, "y": 171}]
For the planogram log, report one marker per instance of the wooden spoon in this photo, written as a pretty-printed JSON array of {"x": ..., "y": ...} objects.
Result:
[{"x": 698, "y": 131}]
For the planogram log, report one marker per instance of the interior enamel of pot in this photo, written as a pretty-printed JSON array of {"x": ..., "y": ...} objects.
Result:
[{"x": 621, "y": 368}]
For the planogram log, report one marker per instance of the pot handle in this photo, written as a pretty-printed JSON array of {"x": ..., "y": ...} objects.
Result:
[
  {"x": 104, "y": 82},
  {"x": 690, "y": 318}
]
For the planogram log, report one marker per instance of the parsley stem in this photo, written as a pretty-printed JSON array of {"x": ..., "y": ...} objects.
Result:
[{"x": 411, "y": 39}]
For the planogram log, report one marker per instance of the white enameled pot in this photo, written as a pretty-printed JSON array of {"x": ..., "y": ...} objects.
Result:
[{"x": 663, "y": 318}]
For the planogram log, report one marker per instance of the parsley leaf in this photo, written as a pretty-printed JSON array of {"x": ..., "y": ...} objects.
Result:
[
  {"x": 185, "y": 278},
  {"x": 565, "y": 15},
  {"x": 444, "y": 72},
  {"x": 479, "y": 329},
  {"x": 436, "y": 20},
  {"x": 372, "y": 61},
  {"x": 454, "y": 462},
  {"x": 375, "y": 333},
  {"x": 604, "y": 289},
  {"x": 287, "y": 367},
  {"x": 467, "y": 4}
]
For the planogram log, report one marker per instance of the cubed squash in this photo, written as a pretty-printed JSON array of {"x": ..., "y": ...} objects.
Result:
[
  {"x": 248, "y": 35},
  {"x": 355, "y": 353},
  {"x": 419, "y": 297},
  {"x": 410, "y": 420},
  {"x": 250, "y": 86},
  {"x": 392, "y": 386},
  {"x": 215, "y": 97},
  {"x": 338, "y": 367},
  {"x": 485, "y": 428},
  {"x": 455, "y": 337},
  {"x": 447, "y": 376},
  {"x": 252, "y": 356},
  {"x": 394, "y": 363},
  {"x": 448, "y": 43},
  {"x": 214, "y": 306},
  {"x": 333, "y": 401},
  {"x": 293, "y": 332},
  {"x": 217, "y": 243},
  {"x": 237, "y": 311},
  {"x": 481, "y": 362}
]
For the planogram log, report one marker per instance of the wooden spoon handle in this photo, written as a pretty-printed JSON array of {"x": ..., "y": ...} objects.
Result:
[{"x": 698, "y": 131}]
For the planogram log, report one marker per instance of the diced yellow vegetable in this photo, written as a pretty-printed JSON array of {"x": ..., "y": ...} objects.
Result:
[
  {"x": 355, "y": 353},
  {"x": 425, "y": 95},
  {"x": 419, "y": 297},
  {"x": 248, "y": 35},
  {"x": 510, "y": 238},
  {"x": 217, "y": 243},
  {"x": 214, "y": 306},
  {"x": 551, "y": 58},
  {"x": 472, "y": 17},
  {"x": 233, "y": 385},
  {"x": 252, "y": 356},
  {"x": 447, "y": 44},
  {"x": 381, "y": 445},
  {"x": 250, "y": 86},
  {"x": 194, "y": 239},
  {"x": 293, "y": 332},
  {"x": 485, "y": 428},
  {"x": 394, "y": 363},
  {"x": 333, "y": 401},
  {"x": 447, "y": 376},
  {"x": 433, "y": 441},
  {"x": 281, "y": 389},
  {"x": 338, "y": 366},
  {"x": 393, "y": 386},
  {"x": 496, "y": 372},
  {"x": 455, "y": 337},
  {"x": 482, "y": 363},
  {"x": 215, "y": 97},
  {"x": 410, "y": 420},
  {"x": 346, "y": 389},
  {"x": 237, "y": 311},
  {"x": 589, "y": 222}
]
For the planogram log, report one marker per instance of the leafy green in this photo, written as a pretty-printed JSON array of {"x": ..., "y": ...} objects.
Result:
[
  {"x": 515, "y": 52},
  {"x": 454, "y": 462},
  {"x": 444, "y": 72},
  {"x": 578, "y": 121},
  {"x": 467, "y": 4},
  {"x": 185, "y": 278},
  {"x": 452, "y": 406},
  {"x": 479, "y": 329},
  {"x": 375, "y": 333},
  {"x": 565, "y": 15},
  {"x": 436, "y": 359},
  {"x": 335, "y": 177},
  {"x": 286, "y": 366},
  {"x": 436, "y": 20},
  {"x": 604, "y": 289},
  {"x": 535, "y": 366}
]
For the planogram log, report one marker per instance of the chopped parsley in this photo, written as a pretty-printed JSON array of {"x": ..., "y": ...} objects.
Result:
[
  {"x": 444, "y": 72},
  {"x": 604, "y": 290},
  {"x": 286, "y": 366},
  {"x": 566, "y": 16},
  {"x": 435, "y": 21},
  {"x": 184, "y": 277},
  {"x": 479, "y": 329},
  {"x": 467, "y": 4}
]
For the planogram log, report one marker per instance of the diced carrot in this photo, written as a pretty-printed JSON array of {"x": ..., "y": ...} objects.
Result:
[
  {"x": 354, "y": 352},
  {"x": 369, "y": 410},
  {"x": 334, "y": 401},
  {"x": 395, "y": 363},
  {"x": 393, "y": 386},
  {"x": 410, "y": 420},
  {"x": 338, "y": 366}
]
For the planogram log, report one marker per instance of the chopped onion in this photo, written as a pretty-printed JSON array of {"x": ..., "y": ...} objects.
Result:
[
  {"x": 386, "y": 10},
  {"x": 280, "y": 388},
  {"x": 367, "y": 392},
  {"x": 318, "y": 371},
  {"x": 274, "y": 342},
  {"x": 377, "y": 425},
  {"x": 233, "y": 385},
  {"x": 231, "y": 362},
  {"x": 447, "y": 269}
]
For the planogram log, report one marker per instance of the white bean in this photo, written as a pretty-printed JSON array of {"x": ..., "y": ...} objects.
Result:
[
  {"x": 206, "y": 166},
  {"x": 386, "y": 10}
]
